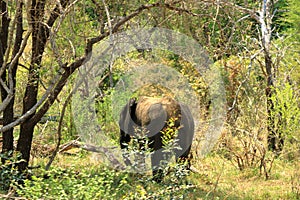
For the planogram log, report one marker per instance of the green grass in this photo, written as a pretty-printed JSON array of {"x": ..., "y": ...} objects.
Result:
[
  {"x": 229, "y": 182},
  {"x": 80, "y": 177}
]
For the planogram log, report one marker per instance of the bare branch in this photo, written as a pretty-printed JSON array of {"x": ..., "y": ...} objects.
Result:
[
  {"x": 53, "y": 33},
  {"x": 59, "y": 81},
  {"x": 242, "y": 83},
  {"x": 242, "y": 9},
  {"x": 13, "y": 62},
  {"x": 108, "y": 17},
  {"x": 59, "y": 131},
  {"x": 6, "y": 101},
  {"x": 23, "y": 45},
  {"x": 97, "y": 149}
]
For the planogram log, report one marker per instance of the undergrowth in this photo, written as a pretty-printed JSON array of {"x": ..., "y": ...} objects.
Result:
[
  {"x": 215, "y": 177},
  {"x": 100, "y": 183}
]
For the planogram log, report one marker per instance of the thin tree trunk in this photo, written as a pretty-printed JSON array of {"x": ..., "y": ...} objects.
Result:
[
  {"x": 40, "y": 36},
  {"x": 7, "y": 116},
  {"x": 275, "y": 139},
  {"x": 270, "y": 105},
  {"x": 31, "y": 91}
]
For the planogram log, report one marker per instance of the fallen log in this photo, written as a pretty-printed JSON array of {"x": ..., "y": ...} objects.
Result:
[{"x": 92, "y": 148}]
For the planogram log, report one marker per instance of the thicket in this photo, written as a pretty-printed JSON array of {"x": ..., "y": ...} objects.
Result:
[{"x": 233, "y": 41}]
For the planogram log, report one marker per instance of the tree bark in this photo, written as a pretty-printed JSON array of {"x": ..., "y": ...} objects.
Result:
[
  {"x": 8, "y": 114},
  {"x": 40, "y": 36},
  {"x": 275, "y": 139},
  {"x": 31, "y": 91},
  {"x": 7, "y": 145},
  {"x": 270, "y": 105}
]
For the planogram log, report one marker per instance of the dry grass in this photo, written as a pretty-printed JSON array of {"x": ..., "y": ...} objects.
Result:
[
  {"x": 216, "y": 176},
  {"x": 223, "y": 180}
]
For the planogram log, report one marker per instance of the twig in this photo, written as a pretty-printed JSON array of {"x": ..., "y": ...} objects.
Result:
[
  {"x": 217, "y": 182},
  {"x": 68, "y": 146},
  {"x": 242, "y": 83},
  {"x": 59, "y": 131},
  {"x": 97, "y": 149}
]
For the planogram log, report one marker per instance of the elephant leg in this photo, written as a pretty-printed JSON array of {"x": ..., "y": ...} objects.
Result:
[
  {"x": 140, "y": 155},
  {"x": 184, "y": 157},
  {"x": 124, "y": 141},
  {"x": 157, "y": 170},
  {"x": 157, "y": 157}
]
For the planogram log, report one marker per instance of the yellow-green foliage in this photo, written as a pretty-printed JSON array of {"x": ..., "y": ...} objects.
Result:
[
  {"x": 286, "y": 114},
  {"x": 169, "y": 134},
  {"x": 80, "y": 178}
]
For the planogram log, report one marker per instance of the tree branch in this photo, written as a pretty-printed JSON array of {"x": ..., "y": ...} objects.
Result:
[
  {"x": 252, "y": 13},
  {"x": 55, "y": 88},
  {"x": 97, "y": 149},
  {"x": 13, "y": 62}
]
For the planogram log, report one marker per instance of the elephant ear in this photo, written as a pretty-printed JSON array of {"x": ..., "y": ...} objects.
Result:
[
  {"x": 132, "y": 105},
  {"x": 186, "y": 132},
  {"x": 127, "y": 116}
]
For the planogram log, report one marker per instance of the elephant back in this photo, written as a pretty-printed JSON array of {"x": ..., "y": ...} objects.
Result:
[{"x": 150, "y": 108}]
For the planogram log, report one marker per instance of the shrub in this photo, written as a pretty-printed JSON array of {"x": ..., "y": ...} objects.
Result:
[
  {"x": 9, "y": 175},
  {"x": 101, "y": 183}
]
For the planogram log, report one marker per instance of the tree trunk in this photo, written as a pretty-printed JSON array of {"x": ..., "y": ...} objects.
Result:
[
  {"x": 40, "y": 36},
  {"x": 40, "y": 30},
  {"x": 7, "y": 145},
  {"x": 31, "y": 91},
  {"x": 270, "y": 105},
  {"x": 275, "y": 139}
]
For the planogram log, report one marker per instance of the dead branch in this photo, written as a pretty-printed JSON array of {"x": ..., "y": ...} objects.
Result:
[
  {"x": 252, "y": 13},
  {"x": 59, "y": 81},
  {"x": 96, "y": 149},
  {"x": 59, "y": 131},
  {"x": 195, "y": 170}
]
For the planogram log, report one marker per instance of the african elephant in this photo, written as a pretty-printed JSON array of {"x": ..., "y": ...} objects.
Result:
[{"x": 152, "y": 114}]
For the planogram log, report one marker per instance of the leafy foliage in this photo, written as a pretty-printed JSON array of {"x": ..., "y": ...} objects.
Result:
[
  {"x": 293, "y": 18},
  {"x": 68, "y": 184},
  {"x": 287, "y": 114},
  {"x": 98, "y": 184},
  {"x": 9, "y": 174},
  {"x": 232, "y": 39}
]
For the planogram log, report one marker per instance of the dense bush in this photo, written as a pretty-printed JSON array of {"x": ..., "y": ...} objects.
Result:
[
  {"x": 9, "y": 175},
  {"x": 100, "y": 184}
]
